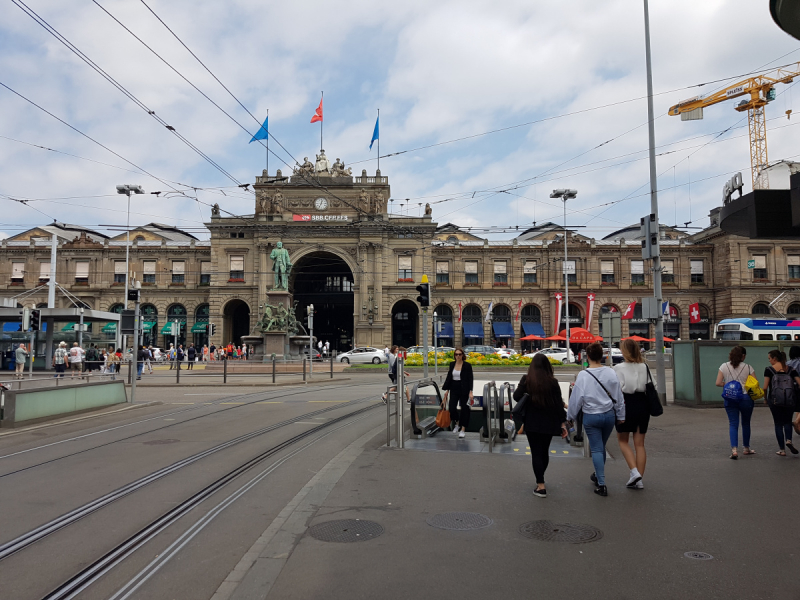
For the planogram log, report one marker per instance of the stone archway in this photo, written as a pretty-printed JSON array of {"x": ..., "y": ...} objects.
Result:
[
  {"x": 405, "y": 315},
  {"x": 235, "y": 321}
]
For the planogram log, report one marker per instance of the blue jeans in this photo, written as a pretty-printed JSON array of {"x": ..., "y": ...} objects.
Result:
[
  {"x": 598, "y": 429},
  {"x": 139, "y": 369},
  {"x": 745, "y": 408}
]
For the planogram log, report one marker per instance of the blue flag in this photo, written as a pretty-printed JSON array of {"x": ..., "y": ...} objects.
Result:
[
  {"x": 665, "y": 308},
  {"x": 263, "y": 133},
  {"x": 375, "y": 135}
]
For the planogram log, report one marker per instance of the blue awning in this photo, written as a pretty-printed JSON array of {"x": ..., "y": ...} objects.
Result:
[
  {"x": 533, "y": 329},
  {"x": 473, "y": 330},
  {"x": 11, "y": 327},
  {"x": 446, "y": 330},
  {"x": 503, "y": 329}
]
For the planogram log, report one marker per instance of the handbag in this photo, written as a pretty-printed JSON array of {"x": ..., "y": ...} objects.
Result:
[
  {"x": 653, "y": 401},
  {"x": 519, "y": 408},
  {"x": 752, "y": 387},
  {"x": 443, "y": 418}
]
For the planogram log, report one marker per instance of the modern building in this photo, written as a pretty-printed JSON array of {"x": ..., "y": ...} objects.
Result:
[{"x": 359, "y": 263}]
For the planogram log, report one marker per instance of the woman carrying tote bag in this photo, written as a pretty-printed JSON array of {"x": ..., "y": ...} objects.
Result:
[
  {"x": 458, "y": 386},
  {"x": 543, "y": 415}
]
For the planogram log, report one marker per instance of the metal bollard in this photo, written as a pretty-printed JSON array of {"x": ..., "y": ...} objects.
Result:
[
  {"x": 224, "y": 369},
  {"x": 273, "y": 368},
  {"x": 331, "y": 366},
  {"x": 178, "y": 373},
  {"x": 304, "y": 369},
  {"x": 129, "y": 373}
]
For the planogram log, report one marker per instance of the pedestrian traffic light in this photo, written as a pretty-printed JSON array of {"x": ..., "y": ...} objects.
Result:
[
  {"x": 424, "y": 297},
  {"x": 210, "y": 329},
  {"x": 36, "y": 319},
  {"x": 26, "y": 318}
]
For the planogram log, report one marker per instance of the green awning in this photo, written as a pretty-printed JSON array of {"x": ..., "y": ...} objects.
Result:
[
  {"x": 166, "y": 329},
  {"x": 109, "y": 328},
  {"x": 69, "y": 327},
  {"x": 200, "y": 327},
  {"x": 148, "y": 325}
]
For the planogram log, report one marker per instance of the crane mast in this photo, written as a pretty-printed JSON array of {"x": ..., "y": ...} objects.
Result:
[{"x": 761, "y": 91}]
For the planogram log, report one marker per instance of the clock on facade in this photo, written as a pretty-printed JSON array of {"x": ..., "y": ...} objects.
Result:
[{"x": 321, "y": 203}]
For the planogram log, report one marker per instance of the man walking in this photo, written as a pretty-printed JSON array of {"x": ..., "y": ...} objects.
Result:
[
  {"x": 191, "y": 354},
  {"x": 148, "y": 361},
  {"x": 20, "y": 354},
  {"x": 171, "y": 357},
  {"x": 140, "y": 360},
  {"x": 212, "y": 352},
  {"x": 60, "y": 359},
  {"x": 179, "y": 355},
  {"x": 75, "y": 360},
  {"x": 327, "y": 348}
]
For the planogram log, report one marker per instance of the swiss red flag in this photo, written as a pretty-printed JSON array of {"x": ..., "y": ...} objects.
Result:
[
  {"x": 628, "y": 314},
  {"x": 694, "y": 313},
  {"x": 317, "y": 113}
]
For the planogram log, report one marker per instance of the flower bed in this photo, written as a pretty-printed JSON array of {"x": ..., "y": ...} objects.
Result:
[{"x": 475, "y": 358}]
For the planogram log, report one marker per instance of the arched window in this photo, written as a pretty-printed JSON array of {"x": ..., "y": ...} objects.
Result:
[
  {"x": 606, "y": 309},
  {"x": 200, "y": 327},
  {"x": 117, "y": 308},
  {"x": 472, "y": 324},
  {"x": 443, "y": 327},
  {"x": 701, "y": 330},
  {"x": 794, "y": 309},
  {"x": 761, "y": 308},
  {"x": 672, "y": 323},
  {"x": 176, "y": 312}
]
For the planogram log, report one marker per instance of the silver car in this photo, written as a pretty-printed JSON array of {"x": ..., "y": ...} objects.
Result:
[{"x": 363, "y": 355}]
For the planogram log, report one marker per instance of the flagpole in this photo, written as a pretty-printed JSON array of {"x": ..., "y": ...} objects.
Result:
[
  {"x": 267, "y": 144},
  {"x": 321, "y": 146},
  {"x": 379, "y": 140}
]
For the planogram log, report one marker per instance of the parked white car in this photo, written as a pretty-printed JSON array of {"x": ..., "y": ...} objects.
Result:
[
  {"x": 505, "y": 352},
  {"x": 555, "y": 353},
  {"x": 363, "y": 355}
]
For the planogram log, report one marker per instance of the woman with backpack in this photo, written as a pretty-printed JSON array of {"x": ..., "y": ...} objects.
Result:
[
  {"x": 779, "y": 384},
  {"x": 731, "y": 377},
  {"x": 544, "y": 415}
]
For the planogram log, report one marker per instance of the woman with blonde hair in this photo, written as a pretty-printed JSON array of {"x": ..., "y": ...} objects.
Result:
[{"x": 633, "y": 376}]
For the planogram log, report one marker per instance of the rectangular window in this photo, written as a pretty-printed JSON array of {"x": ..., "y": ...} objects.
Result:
[
  {"x": 44, "y": 271},
  {"x": 119, "y": 271},
  {"x": 794, "y": 266},
  {"x": 471, "y": 271},
  {"x": 667, "y": 271},
  {"x": 760, "y": 270},
  {"x": 764, "y": 336},
  {"x": 178, "y": 271},
  {"x": 697, "y": 271},
  {"x": 205, "y": 273},
  {"x": 637, "y": 272},
  {"x": 404, "y": 267},
  {"x": 529, "y": 271},
  {"x": 82, "y": 271},
  {"x": 607, "y": 271},
  {"x": 237, "y": 267},
  {"x": 443, "y": 272},
  {"x": 149, "y": 271},
  {"x": 500, "y": 274},
  {"x": 568, "y": 267},
  {"x": 17, "y": 271}
]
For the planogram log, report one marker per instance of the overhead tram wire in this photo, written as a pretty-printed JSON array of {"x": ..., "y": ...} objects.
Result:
[{"x": 69, "y": 45}]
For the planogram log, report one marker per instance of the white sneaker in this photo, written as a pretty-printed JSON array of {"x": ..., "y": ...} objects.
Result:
[
  {"x": 635, "y": 478},
  {"x": 455, "y": 430},
  {"x": 640, "y": 485},
  {"x": 462, "y": 435}
]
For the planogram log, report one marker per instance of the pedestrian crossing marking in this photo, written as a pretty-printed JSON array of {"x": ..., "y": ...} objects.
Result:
[
  {"x": 516, "y": 449},
  {"x": 231, "y": 402},
  {"x": 552, "y": 451},
  {"x": 527, "y": 453}
]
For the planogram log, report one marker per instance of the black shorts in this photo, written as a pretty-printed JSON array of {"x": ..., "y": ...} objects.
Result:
[
  {"x": 393, "y": 377},
  {"x": 637, "y": 414}
]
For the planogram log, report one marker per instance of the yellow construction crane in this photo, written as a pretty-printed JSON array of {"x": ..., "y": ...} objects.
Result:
[{"x": 761, "y": 90}]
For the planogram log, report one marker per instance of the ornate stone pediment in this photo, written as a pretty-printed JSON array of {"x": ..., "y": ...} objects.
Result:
[{"x": 81, "y": 242}]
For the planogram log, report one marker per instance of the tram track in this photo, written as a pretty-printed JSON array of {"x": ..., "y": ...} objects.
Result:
[
  {"x": 260, "y": 398},
  {"x": 27, "y": 539},
  {"x": 76, "y": 584}
]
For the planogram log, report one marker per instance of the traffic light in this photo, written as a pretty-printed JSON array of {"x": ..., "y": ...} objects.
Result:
[
  {"x": 210, "y": 329},
  {"x": 310, "y": 311},
  {"x": 26, "y": 318},
  {"x": 424, "y": 297},
  {"x": 36, "y": 319}
]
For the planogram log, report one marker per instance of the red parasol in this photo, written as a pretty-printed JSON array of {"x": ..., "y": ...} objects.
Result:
[
  {"x": 637, "y": 338},
  {"x": 578, "y": 335},
  {"x": 530, "y": 338}
]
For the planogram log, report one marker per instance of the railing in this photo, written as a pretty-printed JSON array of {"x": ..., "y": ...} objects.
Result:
[
  {"x": 490, "y": 401},
  {"x": 371, "y": 179}
]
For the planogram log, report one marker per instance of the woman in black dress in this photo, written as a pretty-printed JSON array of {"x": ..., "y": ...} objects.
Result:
[
  {"x": 544, "y": 415},
  {"x": 458, "y": 386}
]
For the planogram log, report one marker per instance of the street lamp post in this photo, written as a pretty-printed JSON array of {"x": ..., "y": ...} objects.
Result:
[
  {"x": 127, "y": 189},
  {"x": 565, "y": 195}
]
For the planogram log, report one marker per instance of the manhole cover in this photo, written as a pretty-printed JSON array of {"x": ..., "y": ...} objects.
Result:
[
  {"x": 570, "y": 533},
  {"x": 160, "y": 442},
  {"x": 459, "y": 521},
  {"x": 346, "y": 530},
  {"x": 698, "y": 555}
]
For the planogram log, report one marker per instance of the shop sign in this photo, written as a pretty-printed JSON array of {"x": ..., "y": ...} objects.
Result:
[{"x": 309, "y": 218}]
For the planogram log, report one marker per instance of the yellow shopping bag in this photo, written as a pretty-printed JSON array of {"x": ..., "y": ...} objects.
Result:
[{"x": 752, "y": 387}]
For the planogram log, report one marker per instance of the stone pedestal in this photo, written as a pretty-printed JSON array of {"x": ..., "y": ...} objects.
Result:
[
  {"x": 280, "y": 297},
  {"x": 274, "y": 343}
]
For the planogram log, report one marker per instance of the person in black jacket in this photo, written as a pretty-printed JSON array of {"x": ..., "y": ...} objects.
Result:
[
  {"x": 191, "y": 354},
  {"x": 458, "y": 386},
  {"x": 544, "y": 415}
]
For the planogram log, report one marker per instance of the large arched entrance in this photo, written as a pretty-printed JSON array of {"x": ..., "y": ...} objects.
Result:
[
  {"x": 404, "y": 323},
  {"x": 236, "y": 322},
  {"x": 324, "y": 280}
]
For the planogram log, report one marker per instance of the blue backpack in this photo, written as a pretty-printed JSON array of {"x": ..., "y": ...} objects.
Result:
[{"x": 733, "y": 392}]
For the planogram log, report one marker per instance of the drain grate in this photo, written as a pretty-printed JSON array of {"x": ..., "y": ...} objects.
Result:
[
  {"x": 459, "y": 521},
  {"x": 160, "y": 442},
  {"x": 570, "y": 533},
  {"x": 346, "y": 530},
  {"x": 698, "y": 555}
]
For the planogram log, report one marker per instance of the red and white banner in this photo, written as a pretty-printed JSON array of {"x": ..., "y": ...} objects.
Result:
[
  {"x": 317, "y": 113},
  {"x": 694, "y": 313},
  {"x": 589, "y": 309},
  {"x": 459, "y": 312},
  {"x": 557, "y": 319},
  {"x": 301, "y": 217},
  {"x": 628, "y": 314},
  {"x": 519, "y": 309}
]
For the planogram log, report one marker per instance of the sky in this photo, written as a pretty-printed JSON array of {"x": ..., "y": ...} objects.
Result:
[{"x": 565, "y": 81}]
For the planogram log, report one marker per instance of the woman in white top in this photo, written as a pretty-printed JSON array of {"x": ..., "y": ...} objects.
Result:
[
  {"x": 737, "y": 370},
  {"x": 597, "y": 393},
  {"x": 632, "y": 375}
]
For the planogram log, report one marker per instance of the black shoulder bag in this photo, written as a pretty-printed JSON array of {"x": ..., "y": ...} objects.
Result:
[
  {"x": 653, "y": 401},
  {"x": 519, "y": 408}
]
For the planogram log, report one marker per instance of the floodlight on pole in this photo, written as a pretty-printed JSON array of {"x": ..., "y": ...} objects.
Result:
[
  {"x": 127, "y": 189},
  {"x": 565, "y": 195}
]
